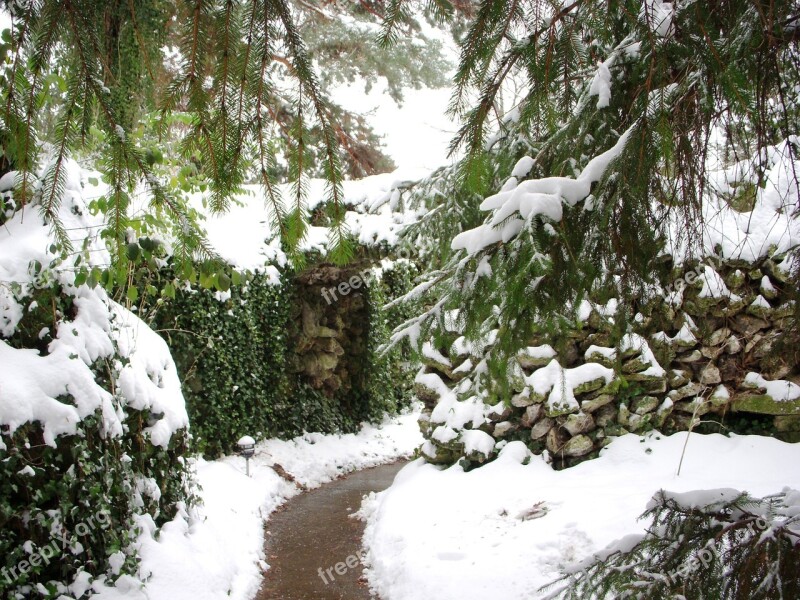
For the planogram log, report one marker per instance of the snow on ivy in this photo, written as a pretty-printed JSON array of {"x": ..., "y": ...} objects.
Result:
[{"x": 58, "y": 389}]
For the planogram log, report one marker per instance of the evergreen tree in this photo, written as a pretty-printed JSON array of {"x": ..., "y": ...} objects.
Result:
[
  {"x": 242, "y": 94},
  {"x": 732, "y": 547},
  {"x": 629, "y": 103}
]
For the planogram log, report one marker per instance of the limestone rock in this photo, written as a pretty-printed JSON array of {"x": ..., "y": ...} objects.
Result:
[
  {"x": 541, "y": 428},
  {"x": 711, "y": 352},
  {"x": 764, "y": 404},
  {"x": 596, "y": 403},
  {"x": 644, "y": 404},
  {"x": 678, "y": 378},
  {"x": 534, "y": 357},
  {"x": 532, "y": 414},
  {"x": 787, "y": 423},
  {"x": 710, "y": 375},
  {"x": 603, "y": 356},
  {"x": 690, "y": 390},
  {"x": 729, "y": 369},
  {"x": 720, "y": 396},
  {"x": 755, "y": 274},
  {"x": 500, "y": 413},
  {"x": 690, "y": 357},
  {"x": 635, "y": 365},
  {"x": 760, "y": 308},
  {"x": 555, "y": 440},
  {"x": 580, "y": 445},
  {"x": 503, "y": 428},
  {"x": 605, "y": 416},
  {"x": 663, "y": 412},
  {"x": 735, "y": 279},
  {"x": 773, "y": 271},
  {"x": 747, "y": 325},
  {"x": 589, "y": 386},
  {"x": 579, "y": 423},
  {"x": 427, "y": 394},
  {"x": 690, "y": 406},
  {"x": 767, "y": 289},
  {"x": 637, "y": 423},
  {"x": 623, "y": 416},
  {"x": 522, "y": 399},
  {"x": 719, "y": 337},
  {"x": 649, "y": 383},
  {"x": 733, "y": 345}
]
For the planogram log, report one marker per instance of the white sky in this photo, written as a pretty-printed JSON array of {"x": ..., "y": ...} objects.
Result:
[{"x": 417, "y": 133}]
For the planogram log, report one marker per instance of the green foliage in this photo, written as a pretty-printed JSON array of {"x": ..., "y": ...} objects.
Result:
[
  {"x": 234, "y": 357},
  {"x": 231, "y": 358},
  {"x": 83, "y": 494},
  {"x": 718, "y": 551},
  {"x": 395, "y": 282}
]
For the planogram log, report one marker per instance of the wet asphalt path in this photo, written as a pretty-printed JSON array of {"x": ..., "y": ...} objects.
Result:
[{"x": 313, "y": 531}]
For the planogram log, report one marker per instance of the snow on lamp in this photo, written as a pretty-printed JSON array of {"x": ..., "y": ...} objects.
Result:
[{"x": 247, "y": 448}]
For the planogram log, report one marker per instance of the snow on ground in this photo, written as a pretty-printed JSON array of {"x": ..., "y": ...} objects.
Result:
[
  {"x": 217, "y": 551},
  {"x": 452, "y": 535}
]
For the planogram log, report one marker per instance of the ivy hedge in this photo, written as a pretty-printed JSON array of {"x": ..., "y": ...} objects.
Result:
[{"x": 233, "y": 349}]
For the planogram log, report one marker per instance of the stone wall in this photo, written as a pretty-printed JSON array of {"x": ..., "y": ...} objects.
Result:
[
  {"x": 707, "y": 349},
  {"x": 330, "y": 329}
]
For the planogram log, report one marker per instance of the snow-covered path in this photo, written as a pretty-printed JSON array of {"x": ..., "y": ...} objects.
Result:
[{"x": 216, "y": 551}]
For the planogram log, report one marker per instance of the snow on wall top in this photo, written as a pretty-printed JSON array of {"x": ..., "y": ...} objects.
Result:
[{"x": 245, "y": 237}]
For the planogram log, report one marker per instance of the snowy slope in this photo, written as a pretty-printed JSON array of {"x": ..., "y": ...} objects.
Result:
[{"x": 505, "y": 529}]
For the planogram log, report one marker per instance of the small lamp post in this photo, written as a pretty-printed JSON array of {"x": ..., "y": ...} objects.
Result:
[{"x": 247, "y": 448}]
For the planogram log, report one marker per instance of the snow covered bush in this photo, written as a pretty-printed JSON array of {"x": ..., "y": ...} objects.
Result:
[
  {"x": 92, "y": 419},
  {"x": 712, "y": 544}
]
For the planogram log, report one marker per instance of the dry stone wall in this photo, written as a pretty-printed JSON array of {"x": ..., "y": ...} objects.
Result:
[
  {"x": 706, "y": 348},
  {"x": 329, "y": 328}
]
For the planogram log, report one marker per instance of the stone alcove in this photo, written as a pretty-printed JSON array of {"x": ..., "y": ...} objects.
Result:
[{"x": 330, "y": 325}]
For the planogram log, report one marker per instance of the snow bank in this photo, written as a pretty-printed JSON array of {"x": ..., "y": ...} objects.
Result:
[
  {"x": 506, "y": 529},
  {"x": 59, "y": 389}
]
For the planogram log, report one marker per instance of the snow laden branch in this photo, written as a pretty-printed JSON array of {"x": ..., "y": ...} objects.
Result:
[
  {"x": 513, "y": 209},
  {"x": 719, "y": 543}
]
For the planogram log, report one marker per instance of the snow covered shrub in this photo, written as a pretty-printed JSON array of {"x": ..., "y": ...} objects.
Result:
[
  {"x": 713, "y": 544},
  {"x": 92, "y": 419}
]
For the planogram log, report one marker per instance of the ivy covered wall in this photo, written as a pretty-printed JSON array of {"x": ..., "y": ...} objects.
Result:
[{"x": 276, "y": 360}]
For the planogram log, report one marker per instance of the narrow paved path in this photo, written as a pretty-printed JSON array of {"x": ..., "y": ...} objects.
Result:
[{"x": 313, "y": 531}]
